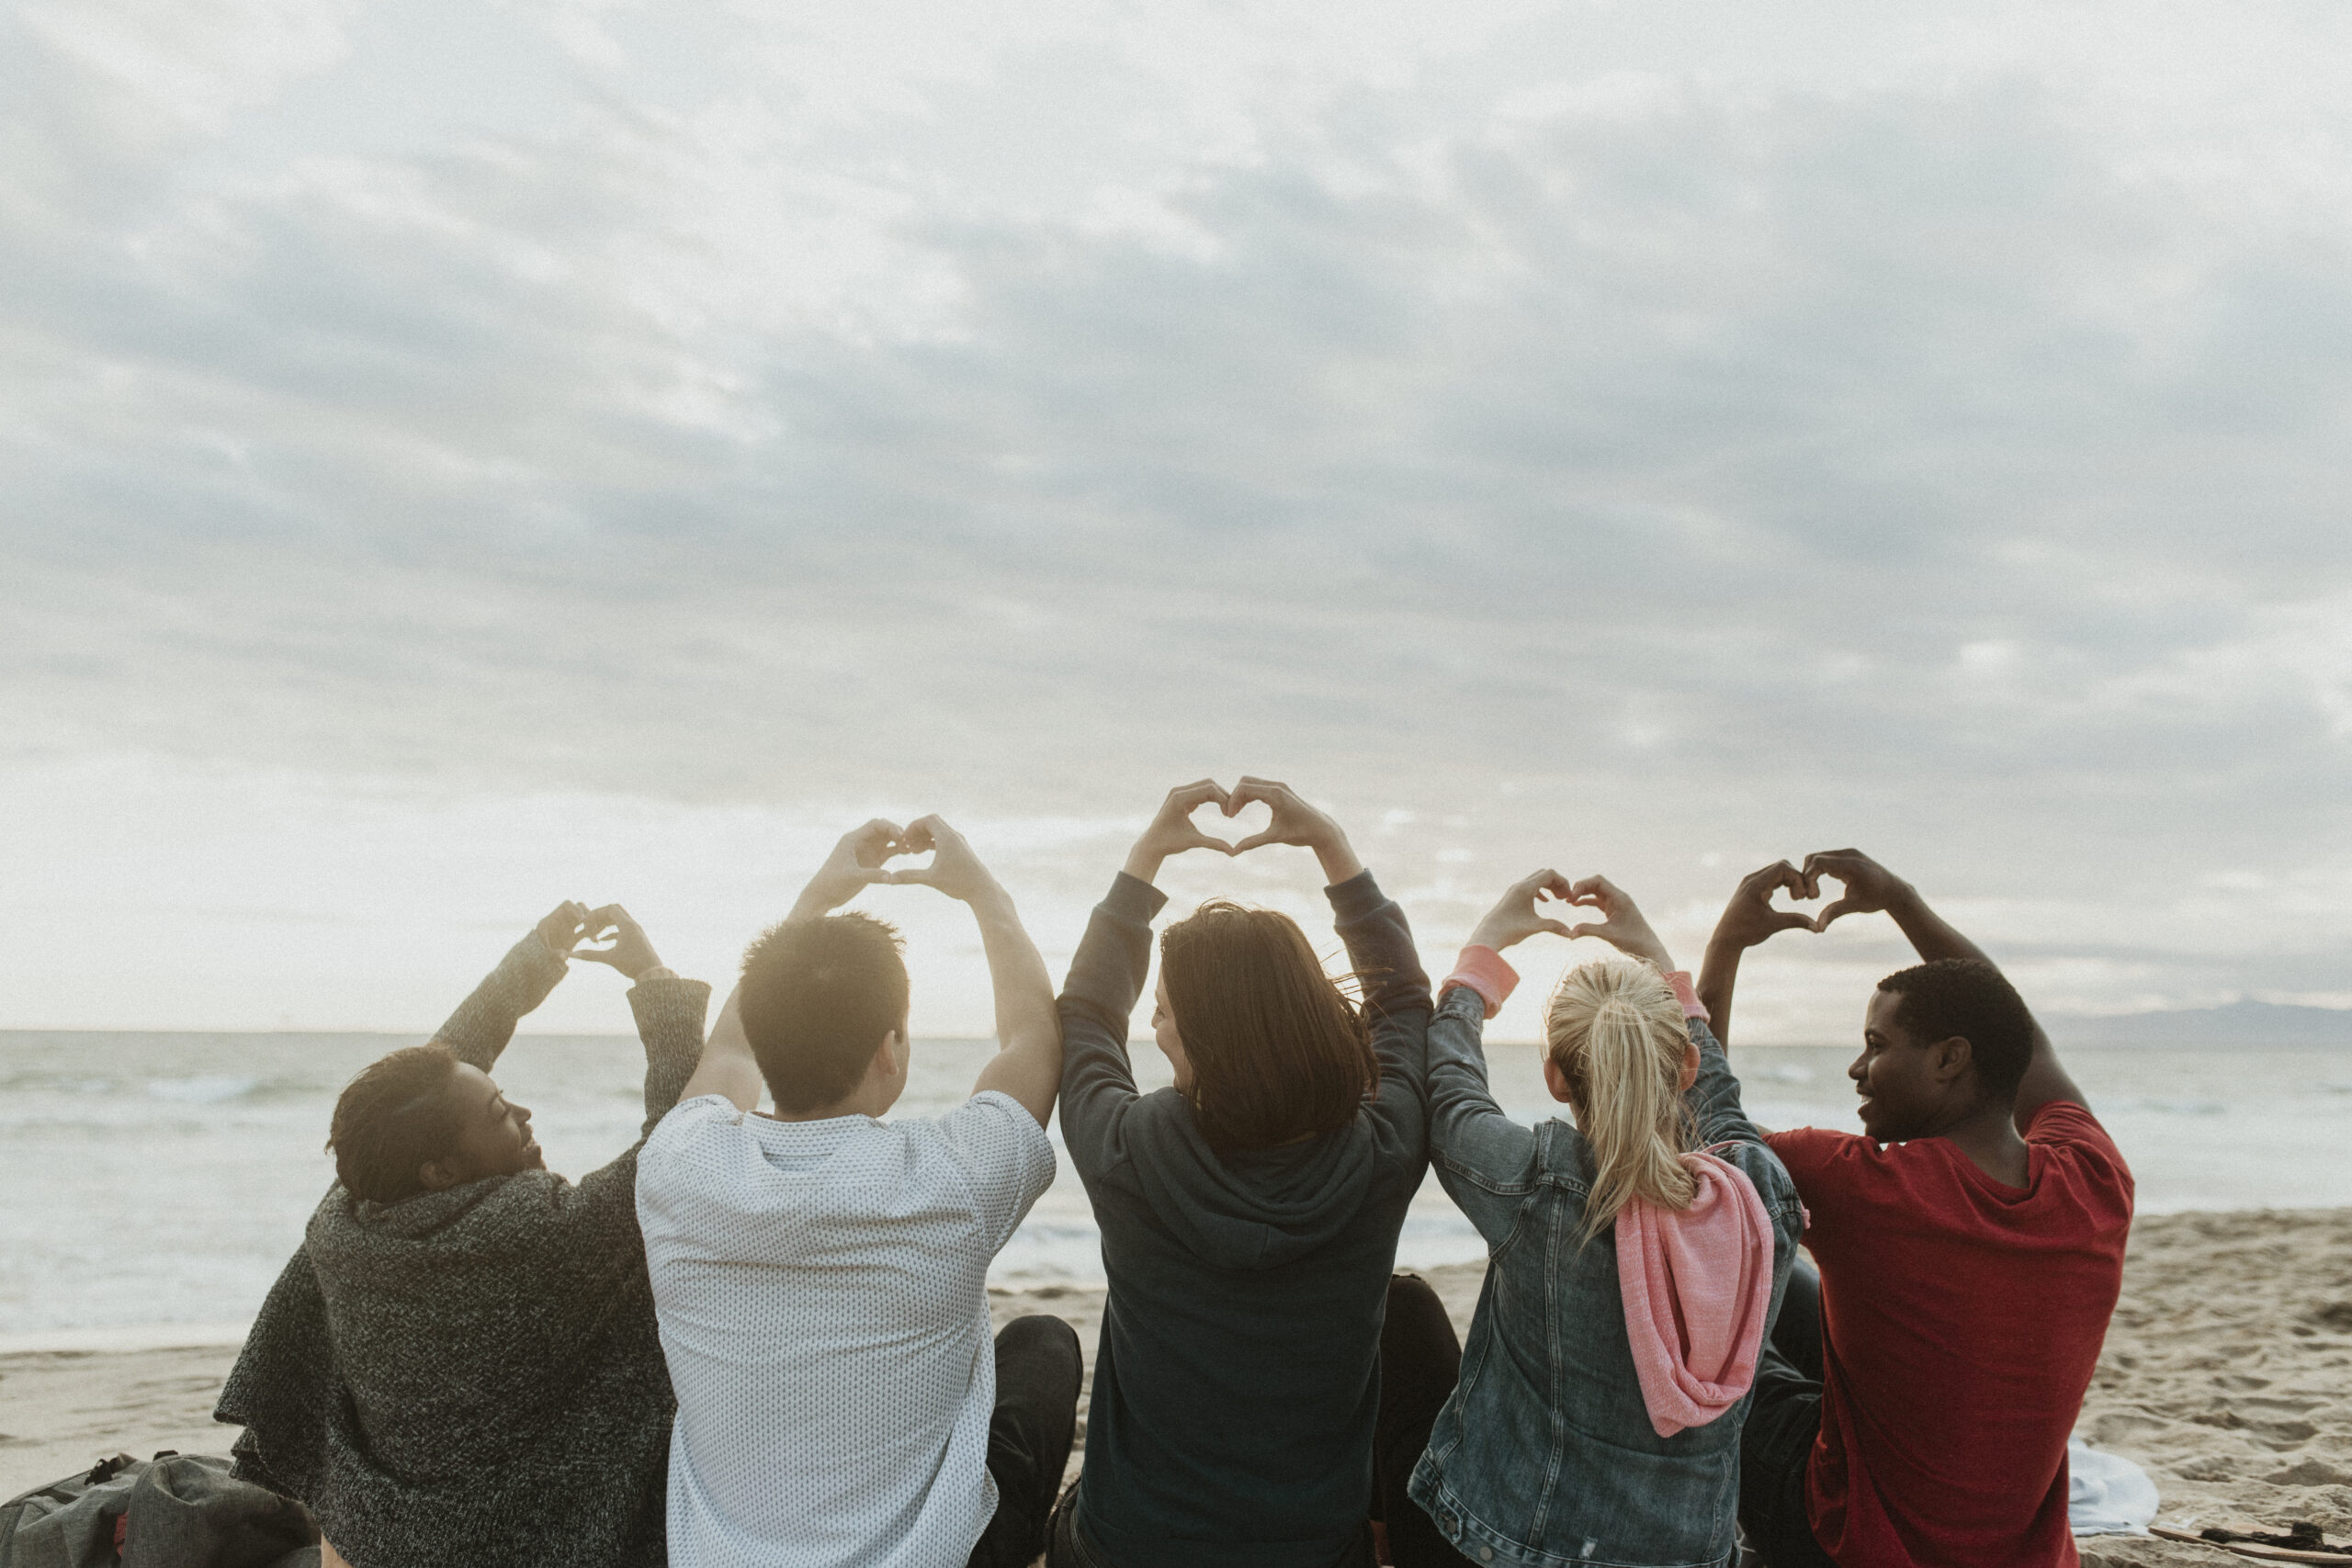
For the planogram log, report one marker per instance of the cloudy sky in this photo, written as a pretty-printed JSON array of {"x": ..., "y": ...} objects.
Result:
[{"x": 461, "y": 456}]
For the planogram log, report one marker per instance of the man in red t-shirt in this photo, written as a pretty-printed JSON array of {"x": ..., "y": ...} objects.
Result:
[{"x": 1971, "y": 1248}]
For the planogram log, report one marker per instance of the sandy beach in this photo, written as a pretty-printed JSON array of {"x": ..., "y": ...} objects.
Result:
[{"x": 2227, "y": 1374}]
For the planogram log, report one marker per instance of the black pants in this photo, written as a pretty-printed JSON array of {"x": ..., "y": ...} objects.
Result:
[
  {"x": 1420, "y": 1360},
  {"x": 1782, "y": 1423},
  {"x": 1038, "y": 1370}
]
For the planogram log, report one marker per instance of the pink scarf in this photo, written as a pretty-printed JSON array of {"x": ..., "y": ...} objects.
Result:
[{"x": 1698, "y": 1285}]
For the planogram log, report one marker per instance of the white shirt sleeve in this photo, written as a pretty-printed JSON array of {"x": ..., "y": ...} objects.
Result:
[{"x": 1007, "y": 1155}]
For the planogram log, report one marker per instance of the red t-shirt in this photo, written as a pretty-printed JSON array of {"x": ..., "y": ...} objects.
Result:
[{"x": 1961, "y": 1321}]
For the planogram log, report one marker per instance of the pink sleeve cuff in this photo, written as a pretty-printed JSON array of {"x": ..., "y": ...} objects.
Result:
[
  {"x": 1482, "y": 969},
  {"x": 1678, "y": 982}
]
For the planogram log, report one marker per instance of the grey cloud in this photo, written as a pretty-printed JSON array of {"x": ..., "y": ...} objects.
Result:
[{"x": 1661, "y": 462}]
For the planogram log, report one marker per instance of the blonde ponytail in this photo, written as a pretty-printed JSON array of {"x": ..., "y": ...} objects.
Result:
[{"x": 1617, "y": 1035}]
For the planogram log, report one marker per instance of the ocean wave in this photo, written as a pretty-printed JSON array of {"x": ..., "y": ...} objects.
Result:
[{"x": 202, "y": 1090}]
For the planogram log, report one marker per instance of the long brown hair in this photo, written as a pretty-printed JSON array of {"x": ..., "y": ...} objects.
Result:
[{"x": 1277, "y": 1050}]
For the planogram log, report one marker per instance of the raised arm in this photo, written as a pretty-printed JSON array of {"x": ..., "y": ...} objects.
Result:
[
  {"x": 478, "y": 1030},
  {"x": 1484, "y": 1160},
  {"x": 1107, "y": 977},
  {"x": 669, "y": 1010},
  {"x": 1869, "y": 889},
  {"x": 1747, "y": 920},
  {"x": 1028, "y": 1061}
]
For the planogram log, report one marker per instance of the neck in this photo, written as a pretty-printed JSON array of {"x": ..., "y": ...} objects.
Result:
[{"x": 1987, "y": 1134}]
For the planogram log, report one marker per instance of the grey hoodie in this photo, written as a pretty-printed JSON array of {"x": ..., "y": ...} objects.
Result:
[{"x": 1238, "y": 1376}]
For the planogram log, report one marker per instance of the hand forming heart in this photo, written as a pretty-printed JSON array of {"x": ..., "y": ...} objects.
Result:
[{"x": 1290, "y": 820}]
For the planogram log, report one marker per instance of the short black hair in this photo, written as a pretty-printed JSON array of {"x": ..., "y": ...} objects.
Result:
[
  {"x": 818, "y": 998},
  {"x": 1968, "y": 998}
]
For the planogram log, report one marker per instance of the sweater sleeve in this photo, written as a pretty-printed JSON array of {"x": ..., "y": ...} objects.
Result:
[
  {"x": 668, "y": 1020},
  {"x": 485, "y": 1020},
  {"x": 1106, "y": 976},
  {"x": 1396, "y": 1005}
]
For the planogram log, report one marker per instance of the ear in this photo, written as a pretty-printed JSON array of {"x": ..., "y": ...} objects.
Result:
[
  {"x": 439, "y": 1176},
  {"x": 1690, "y": 1068},
  {"x": 1555, "y": 1080},
  {"x": 1951, "y": 1059},
  {"x": 885, "y": 1065}
]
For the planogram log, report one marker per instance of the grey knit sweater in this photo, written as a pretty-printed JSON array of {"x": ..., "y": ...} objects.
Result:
[{"x": 475, "y": 1376}]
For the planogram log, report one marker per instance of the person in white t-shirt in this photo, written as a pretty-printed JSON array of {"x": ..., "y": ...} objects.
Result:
[{"x": 820, "y": 1274}]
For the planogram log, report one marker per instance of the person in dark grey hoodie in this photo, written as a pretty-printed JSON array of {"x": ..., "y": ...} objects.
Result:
[{"x": 1249, "y": 1214}]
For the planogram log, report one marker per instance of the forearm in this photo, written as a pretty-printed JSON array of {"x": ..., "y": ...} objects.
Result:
[
  {"x": 1028, "y": 1063},
  {"x": 478, "y": 1030},
  {"x": 669, "y": 1014},
  {"x": 1718, "y": 974},
  {"x": 1380, "y": 945},
  {"x": 1931, "y": 936}
]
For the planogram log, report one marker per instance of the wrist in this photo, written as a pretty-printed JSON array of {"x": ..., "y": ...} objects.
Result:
[
  {"x": 1143, "y": 864},
  {"x": 654, "y": 971},
  {"x": 991, "y": 903},
  {"x": 1338, "y": 859}
]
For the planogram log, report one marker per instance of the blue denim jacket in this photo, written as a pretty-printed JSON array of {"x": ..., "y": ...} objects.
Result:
[{"x": 1544, "y": 1455}]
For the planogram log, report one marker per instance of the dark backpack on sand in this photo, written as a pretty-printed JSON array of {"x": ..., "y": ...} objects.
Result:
[{"x": 173, "y": 1511}]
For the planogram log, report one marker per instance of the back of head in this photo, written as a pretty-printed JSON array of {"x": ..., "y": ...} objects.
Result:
[
  {"x": 818, "y": 998},
  {"x": 392, "y": 1119},
  {"x": 1967, "y": 998},
  {"x": 1278, "y": 1053},
  {"x": 1616, "y": 1032}
]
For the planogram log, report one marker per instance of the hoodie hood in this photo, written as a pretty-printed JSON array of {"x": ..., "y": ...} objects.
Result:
[
  {"x": 1256, "y": 1209},
  {"x": 1698, "y": 1286}
]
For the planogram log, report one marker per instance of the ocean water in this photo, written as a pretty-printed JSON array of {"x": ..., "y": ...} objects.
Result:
[{"x": 164, "y": 1179}]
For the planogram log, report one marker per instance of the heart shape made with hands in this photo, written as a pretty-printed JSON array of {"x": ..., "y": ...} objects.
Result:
[
  {"x": 1255, "y": 817},
  {"x": 1819, "y": 909},
  {"x": 1797, "y": 905}
]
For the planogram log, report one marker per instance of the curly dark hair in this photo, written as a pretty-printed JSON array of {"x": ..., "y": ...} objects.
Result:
[{"x": 1972, "y": 999}]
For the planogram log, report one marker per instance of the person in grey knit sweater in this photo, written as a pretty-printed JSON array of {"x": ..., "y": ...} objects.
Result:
[{"x": 460, "y": 1364}]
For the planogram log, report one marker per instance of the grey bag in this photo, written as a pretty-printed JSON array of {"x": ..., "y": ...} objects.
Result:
[{"x": 175, "y": 1511}]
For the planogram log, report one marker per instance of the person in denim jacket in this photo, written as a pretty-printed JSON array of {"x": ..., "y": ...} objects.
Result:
[{"x": 1637, "y": 1259}]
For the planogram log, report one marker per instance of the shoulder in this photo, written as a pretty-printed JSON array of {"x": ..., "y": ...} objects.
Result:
[
  {"x": 1806, "y": 1148},
  {"x": 705, "y": 1116},
  {"x": 988, "y": 1130},
  {"x": 2070, "y": 1131},
  {"x": 693, "y": 1136}
]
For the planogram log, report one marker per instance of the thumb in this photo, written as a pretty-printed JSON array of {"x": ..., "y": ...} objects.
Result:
[
  {"x": 595, "y": 954},
  {"x": 1256, "y": 841},
  {"x": 912, "y": 876},
  {"x": 1588, "y": 929},
  {"x": 1556, "y": 927},
  {"x": 1842, "y": 906}
]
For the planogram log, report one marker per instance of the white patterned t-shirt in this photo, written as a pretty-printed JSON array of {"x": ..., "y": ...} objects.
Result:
[{"x": 823, "y": 1293}]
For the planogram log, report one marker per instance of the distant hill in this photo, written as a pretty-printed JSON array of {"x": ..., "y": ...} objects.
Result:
[{"x": 2240, "y": 1023}]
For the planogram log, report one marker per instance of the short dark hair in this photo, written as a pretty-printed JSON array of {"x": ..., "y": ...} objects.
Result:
[
  {"x": 818, "y": 998},
  {"x": 1278, "y": 1052},
  {"x": 393, "y": 1119},
  {"x": 1972, "y": 999}
]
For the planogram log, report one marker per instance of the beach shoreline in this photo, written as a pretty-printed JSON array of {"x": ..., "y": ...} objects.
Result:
[{"x": 2227, "y": 1372}]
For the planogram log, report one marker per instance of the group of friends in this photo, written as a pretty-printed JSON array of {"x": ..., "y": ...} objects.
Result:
[{"x": 761, "y": 1338}]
